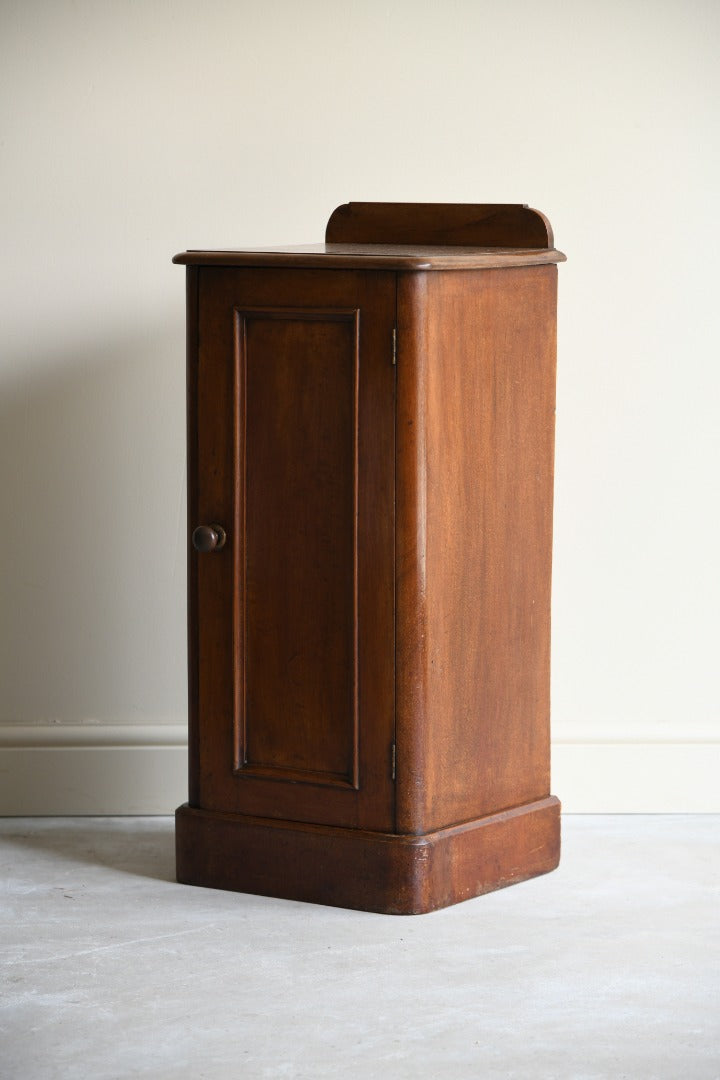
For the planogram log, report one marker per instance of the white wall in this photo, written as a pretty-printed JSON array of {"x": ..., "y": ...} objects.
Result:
[{"x": 132, "y": 130}]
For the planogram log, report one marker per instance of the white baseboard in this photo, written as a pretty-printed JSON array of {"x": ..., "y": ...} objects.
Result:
[
  {"x": 64, "y": 769},
  {"x": 142, "y": 769},
  {"x": 637, "y": 778}
]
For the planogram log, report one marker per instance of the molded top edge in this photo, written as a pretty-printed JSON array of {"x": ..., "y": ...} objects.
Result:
[{"x": 360, "y": 256}]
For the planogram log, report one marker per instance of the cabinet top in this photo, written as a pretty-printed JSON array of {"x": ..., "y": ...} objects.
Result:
[
  {"x": 409, "y": 236},
  {"x": 374, "y": 257}
]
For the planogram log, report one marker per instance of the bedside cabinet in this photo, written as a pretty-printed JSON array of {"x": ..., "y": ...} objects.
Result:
[{"x": 370, "y": 456}]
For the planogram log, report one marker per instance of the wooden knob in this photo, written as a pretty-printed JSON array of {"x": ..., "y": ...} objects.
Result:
[{"x": 208, "y": 537}]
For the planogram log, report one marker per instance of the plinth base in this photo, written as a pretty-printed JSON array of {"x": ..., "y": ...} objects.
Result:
[{"x": 384, "y": 872}]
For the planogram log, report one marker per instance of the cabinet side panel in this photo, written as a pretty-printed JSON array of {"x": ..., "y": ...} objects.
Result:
[{"x": 489, "y": 481}]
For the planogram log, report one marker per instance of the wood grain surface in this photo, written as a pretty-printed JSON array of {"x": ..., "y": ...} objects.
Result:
[
  {"x": 476, "y": 399},
  {"x": 477, "y": 225},
  {"x": 371, "y": 871}
]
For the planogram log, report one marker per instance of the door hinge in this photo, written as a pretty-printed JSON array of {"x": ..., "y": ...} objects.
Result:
[
  {"x": 393, "y": 759},
  {"x": 394, "y": 345}
]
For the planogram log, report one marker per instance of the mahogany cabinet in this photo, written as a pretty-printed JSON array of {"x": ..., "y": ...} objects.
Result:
[{"x": 370, "y": 454}]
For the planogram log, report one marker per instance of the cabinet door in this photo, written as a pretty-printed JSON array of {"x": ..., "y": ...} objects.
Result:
[{"x": 292, "y": 621}]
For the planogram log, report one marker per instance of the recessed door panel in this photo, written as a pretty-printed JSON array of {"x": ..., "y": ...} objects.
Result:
[
  {"x": 293, "y": 618},
  {"x": 298, "y": 462}
]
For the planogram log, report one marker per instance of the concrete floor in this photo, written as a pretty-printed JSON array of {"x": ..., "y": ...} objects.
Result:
[{"x": 608, "y": 968}]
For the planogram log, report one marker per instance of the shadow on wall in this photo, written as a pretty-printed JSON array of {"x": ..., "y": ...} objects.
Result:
[{"x": 92, "y": 615}]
